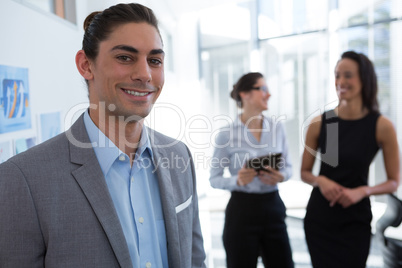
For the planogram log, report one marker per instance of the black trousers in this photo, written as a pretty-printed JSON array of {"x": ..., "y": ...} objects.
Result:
[{"x": 255, "y": 226}]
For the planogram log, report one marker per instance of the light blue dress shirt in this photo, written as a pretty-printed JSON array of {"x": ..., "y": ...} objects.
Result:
[
  {"x": 136, "y": 197},
  {"x": 235, "y": 144}
]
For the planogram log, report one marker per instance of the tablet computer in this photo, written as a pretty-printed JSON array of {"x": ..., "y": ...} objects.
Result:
[{"x": 273, "y": 160}]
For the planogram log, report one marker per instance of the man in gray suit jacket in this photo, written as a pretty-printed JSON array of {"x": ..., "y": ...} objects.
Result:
[{"x": 108, "y": 192}]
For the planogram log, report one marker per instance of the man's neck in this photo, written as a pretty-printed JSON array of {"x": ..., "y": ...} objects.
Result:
[{"x": 125, "y": 135}]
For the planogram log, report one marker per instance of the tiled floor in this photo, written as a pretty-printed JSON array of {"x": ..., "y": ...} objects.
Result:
[{"x": 216, "y": 254}]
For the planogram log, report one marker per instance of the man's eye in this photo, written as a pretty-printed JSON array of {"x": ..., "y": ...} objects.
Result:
[
  {"x": 155, "y": 61},
  {"x": 124, "y": 58}
]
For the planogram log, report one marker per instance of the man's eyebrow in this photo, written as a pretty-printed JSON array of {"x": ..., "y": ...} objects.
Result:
[
  {"x": 126, "y": 48},
  {"x": 157, "y": 51},
  {"x": 134, "y": 50}
]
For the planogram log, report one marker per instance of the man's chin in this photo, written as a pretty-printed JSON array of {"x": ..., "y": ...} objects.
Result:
[{"x": 133, "y": 118}]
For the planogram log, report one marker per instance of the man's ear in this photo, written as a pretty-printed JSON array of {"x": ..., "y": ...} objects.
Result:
[{"x": 84, "y": 66}]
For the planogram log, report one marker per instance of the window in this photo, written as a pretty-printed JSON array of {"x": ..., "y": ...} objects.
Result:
[
  {"x": 382, "y": 10},
  {"x": 286, "y": 17},
  {"x": 299, "y": 48},
  {"x": 62, "y": 8},
  {"x": 296, "y": 68},
  {"x": 224, "y": 51},
  {"x": 222, "y": 67},
  {"x": 353, "y": 12}
]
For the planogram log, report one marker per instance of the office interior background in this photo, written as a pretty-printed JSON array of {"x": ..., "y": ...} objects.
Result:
[{"x": 209, "y": 45}]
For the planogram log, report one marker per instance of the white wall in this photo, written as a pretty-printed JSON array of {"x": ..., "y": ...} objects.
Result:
[{"x": 46, "y": 45}]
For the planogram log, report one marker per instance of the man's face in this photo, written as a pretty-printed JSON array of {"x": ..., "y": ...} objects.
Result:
[{"x": 128, "y": 72}]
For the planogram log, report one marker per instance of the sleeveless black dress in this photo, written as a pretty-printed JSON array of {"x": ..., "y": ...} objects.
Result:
[{"x": 338, "y": 237}]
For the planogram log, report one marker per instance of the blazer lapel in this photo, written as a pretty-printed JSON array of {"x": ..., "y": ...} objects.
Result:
[
  {"x": 91, "y": 180},
  {"x": 167, "y": 198}
]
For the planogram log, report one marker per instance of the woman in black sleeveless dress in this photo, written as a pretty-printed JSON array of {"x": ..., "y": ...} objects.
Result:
[{"x": 338, "y": 217}]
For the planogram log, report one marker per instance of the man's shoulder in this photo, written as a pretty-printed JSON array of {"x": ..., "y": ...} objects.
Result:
[
  {"x": 54, "y": 149},
  {"x": 50, "y": 149}
]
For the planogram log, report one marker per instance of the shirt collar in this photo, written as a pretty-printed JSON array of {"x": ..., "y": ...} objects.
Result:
[
  {"x": 237, "y": 121},
  {"x": 106, "y": 151}
]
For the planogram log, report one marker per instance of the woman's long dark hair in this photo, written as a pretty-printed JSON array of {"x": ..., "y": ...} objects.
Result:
[{"x": 368, "y": 79}]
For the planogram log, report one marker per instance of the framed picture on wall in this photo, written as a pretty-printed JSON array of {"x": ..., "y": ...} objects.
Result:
[
  {"x": 24, "y": 144},
  {"x": 15, "y": 112},
  {"x": 6, "y": 150}
]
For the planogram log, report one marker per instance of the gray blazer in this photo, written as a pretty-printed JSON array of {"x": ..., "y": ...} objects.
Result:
[{"x": 56, "y": 210}]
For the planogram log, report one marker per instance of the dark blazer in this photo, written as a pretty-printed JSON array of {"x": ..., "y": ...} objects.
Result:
[{"x": 56, "y": 210}]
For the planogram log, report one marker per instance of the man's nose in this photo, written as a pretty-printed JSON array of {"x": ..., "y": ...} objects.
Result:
[{"x": 142, "y": 71}]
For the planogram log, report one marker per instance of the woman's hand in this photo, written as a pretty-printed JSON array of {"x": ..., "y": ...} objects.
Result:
[
  {"x": 245, "y": 176},
  {"x": 271, "y": 176},
  {"x": 329, "y": 189},
  {"x": 349, "y": 197}
]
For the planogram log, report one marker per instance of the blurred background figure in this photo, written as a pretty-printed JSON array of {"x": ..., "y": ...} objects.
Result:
[
  {"x": 255, "y": 215},
  {"x": 337, "y": 222}
]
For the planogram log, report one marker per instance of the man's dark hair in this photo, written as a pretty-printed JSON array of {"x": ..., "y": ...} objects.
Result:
[{"x": 99, "y": 25}]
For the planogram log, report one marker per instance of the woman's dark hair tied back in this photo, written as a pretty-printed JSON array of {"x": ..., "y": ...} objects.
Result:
[
  {"x": 244, "y": 84},
  {"x": 234, "y": 95}
]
